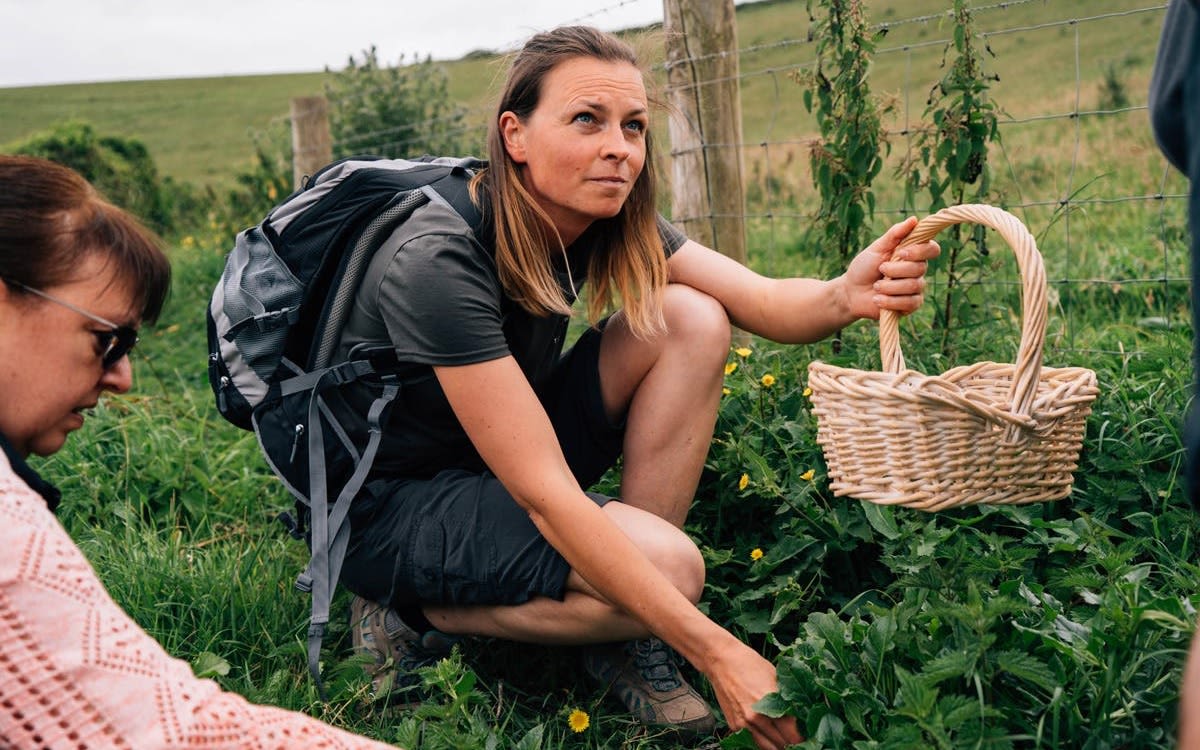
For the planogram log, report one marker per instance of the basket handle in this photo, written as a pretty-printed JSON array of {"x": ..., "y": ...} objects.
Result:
[{"x": 1033, "y": 295}]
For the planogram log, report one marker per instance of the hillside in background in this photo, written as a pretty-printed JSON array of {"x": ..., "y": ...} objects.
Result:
[{"x": 201, "y": 130}]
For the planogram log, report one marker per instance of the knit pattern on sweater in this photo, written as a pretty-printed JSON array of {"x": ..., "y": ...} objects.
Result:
[{"x": 76, "y": 672}]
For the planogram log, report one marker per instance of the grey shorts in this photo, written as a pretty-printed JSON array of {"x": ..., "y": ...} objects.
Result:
[{"x": 459, "y": 537}]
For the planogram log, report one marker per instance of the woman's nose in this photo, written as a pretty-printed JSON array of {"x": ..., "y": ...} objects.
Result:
[
  {"x": 615, "y": 145},
  {"x": 119, "y": 377}
]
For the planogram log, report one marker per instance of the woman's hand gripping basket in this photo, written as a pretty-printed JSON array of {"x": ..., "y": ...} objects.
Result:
[{"x": 983, "y": 433}]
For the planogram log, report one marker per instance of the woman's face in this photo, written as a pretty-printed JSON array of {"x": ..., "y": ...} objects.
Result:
[
  {"x": 582, "y": 148},
  {"x": 50, "y": 369}
]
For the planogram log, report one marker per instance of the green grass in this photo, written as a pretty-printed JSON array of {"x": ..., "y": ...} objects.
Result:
[{"x": 1052, "y": 625}]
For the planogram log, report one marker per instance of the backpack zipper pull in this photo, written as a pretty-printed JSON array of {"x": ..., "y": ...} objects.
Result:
[{"x": 299, "y": 433}]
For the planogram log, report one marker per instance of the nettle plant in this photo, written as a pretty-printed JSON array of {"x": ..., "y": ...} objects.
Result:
[
  {"x": 947, "y": 162},
  {"x": 847, "y": 157}
]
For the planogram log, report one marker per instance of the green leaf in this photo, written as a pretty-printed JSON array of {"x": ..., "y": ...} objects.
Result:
[
  {"x": 739, "y": 740},
  {"x": 773, "y": 705},
  {"x": 1027, "y": 667},
  {"x": 532, "y": 739},
  {"x": 831, "y": 731},
  {"x": 207, "y": 665},
  {"x": 914, "y": 698},
  {"x": 883, "y": 519},
  {"x": 880, "y": 638},
  {"x": 951, "y": 664}
]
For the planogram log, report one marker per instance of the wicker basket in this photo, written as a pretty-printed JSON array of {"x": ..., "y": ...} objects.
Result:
[{"x": 984, "y": 433}]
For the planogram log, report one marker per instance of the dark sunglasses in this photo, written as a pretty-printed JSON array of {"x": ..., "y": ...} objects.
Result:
[{"x": 113, "y": 344}]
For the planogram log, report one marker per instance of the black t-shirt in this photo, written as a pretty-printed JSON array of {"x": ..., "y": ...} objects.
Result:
[{"x": 433, "y": 295}]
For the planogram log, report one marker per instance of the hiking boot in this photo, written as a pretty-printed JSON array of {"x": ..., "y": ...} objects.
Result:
[
  {"x": 396, "y": 649},
  {"x": 645, "y": 676}
]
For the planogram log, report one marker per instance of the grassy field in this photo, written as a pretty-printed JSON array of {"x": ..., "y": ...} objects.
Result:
[
  {"x": 200, "y": 130},
  {"x": 1051, "y": 625}
]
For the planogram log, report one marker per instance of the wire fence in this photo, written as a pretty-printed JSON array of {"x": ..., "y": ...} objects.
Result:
[{"x": 1076, "y": 160}]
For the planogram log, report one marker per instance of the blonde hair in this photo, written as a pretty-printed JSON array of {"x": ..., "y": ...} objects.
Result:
[{"x": 628, "y": 261}]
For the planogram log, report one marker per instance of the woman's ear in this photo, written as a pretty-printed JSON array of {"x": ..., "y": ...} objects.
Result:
[{"x": 512, "y": 130}]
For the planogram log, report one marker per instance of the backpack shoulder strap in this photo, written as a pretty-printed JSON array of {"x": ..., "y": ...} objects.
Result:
[{"x": 455, "y": 189}]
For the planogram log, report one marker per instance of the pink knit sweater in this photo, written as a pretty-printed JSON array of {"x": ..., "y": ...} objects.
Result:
[{"x": 76, "y": 672}]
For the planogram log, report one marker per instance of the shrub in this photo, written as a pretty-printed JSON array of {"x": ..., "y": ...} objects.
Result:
[{"x": 120, "y": 168}]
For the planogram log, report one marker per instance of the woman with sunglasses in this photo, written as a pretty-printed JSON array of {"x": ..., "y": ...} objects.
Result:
[{"x": 77, "y": 278}]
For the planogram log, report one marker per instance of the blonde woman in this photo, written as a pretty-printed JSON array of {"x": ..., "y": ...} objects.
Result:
[{"x": 478, "y": 519}]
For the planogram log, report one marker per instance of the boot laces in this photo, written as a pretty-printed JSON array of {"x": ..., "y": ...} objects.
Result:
[{"x": 656, "y": 663}]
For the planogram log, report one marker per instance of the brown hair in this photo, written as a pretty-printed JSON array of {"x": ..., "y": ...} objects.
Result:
[
  {"x": 628, "y": 259},
  {"x": 51, "y": 218}
]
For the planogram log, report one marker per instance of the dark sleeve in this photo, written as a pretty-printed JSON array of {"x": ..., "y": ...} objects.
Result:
[
  {"x": 440, "y": 302},
  {"x": 1175, "y": 83},
  {"x": 672, "y": 238}
]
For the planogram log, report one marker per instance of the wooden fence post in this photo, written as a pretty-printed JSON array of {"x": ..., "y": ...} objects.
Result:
[
  {"x": 312, "y": 146},
  {"x": 708, "y": 195}
]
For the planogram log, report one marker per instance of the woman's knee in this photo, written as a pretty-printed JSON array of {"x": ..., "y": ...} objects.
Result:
[
  {"x": 667, "y": 547},
  {"x": 685, "y": 566},
  {"x": 697, "y": 320}
]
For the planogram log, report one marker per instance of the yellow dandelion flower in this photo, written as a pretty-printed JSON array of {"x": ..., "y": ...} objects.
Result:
[
  {"x": 808, "y": 475},
  {"x": 768, "y": 380},
  {"x": 579, "y": 720},
  {"x": 807, "y": 392},
  {"x": 725, "y": 391},
  {"x": 756, "y": 554},
  {"x": 742, "y": 351},
  {"x": 744, "y": 481},
  {"x": 271, "y": 192},
  {"x": 730, "y": 367}
]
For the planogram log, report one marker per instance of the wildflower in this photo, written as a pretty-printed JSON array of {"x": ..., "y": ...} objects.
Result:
[
  {"x": 808, "y": 475},
  {"x": 768, "y": 380},
  {"x": 807, "y": 392},
  {"x": 742, "y": 351},
  {"x": 744, "y": 481},
  {"x": 725, "y": 391},
  {"x": 756, "y": 554},
  {"x": 579, "y": 720},
  {"x": 271, "y": 192},
  {"x": 730, "y": 367}
]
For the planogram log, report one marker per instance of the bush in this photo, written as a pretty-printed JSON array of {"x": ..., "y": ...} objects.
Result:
[
  {"x": 120, "y": 168},
  {"x": 398, "y": 112}
]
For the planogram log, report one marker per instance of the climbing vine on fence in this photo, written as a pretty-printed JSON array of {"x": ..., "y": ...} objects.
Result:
[
  {"x": 846, "y": 157},
  {"x": 947, "y": 163}
]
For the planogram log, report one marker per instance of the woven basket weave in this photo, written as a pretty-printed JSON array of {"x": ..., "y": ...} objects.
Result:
[{"x": 983, "y": 433}]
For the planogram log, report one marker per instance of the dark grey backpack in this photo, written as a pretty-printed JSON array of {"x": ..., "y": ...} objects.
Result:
[{"x": 274, "y": 322}]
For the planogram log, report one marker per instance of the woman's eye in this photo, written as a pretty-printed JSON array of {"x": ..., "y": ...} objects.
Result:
[{"x": 636, "y": 126}]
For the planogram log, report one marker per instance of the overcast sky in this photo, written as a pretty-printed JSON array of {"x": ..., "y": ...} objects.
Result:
[{"x": 65, "y": 41}]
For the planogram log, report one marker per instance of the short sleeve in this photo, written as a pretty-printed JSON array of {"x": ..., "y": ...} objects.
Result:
[
  {"x": 672, "y": 238},
  {"x": 438, "y": 296}
]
